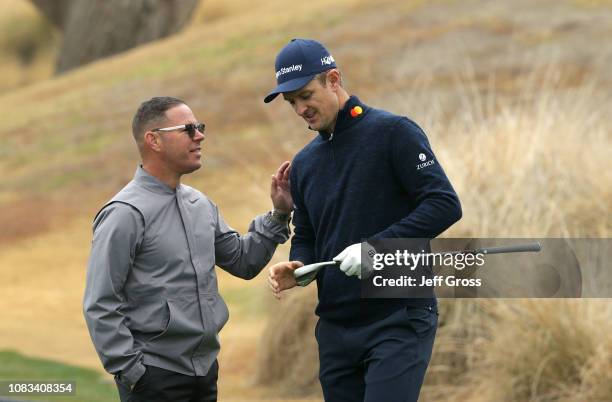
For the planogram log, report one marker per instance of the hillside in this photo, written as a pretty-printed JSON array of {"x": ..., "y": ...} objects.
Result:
[
  {"x": 72, "y": 126},
  {"x": 514, "y": 97}
]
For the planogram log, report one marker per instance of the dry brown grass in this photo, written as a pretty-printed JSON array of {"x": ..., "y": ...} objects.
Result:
[
  {"x": 531, "y": 166},
  {"x": 525, "y": 350},
  {"x": 288, "y": 357}
]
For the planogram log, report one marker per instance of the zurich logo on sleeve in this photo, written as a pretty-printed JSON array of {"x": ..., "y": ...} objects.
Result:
[{"x": 425, "y": 162}]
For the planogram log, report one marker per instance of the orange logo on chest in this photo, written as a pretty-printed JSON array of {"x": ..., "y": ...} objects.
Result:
[{"x": 356, "y": 111}]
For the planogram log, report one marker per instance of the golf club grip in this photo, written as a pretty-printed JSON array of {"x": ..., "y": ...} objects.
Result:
[
  {"x": 316, "y": 267},
  {"x": 519, "y": 248}
]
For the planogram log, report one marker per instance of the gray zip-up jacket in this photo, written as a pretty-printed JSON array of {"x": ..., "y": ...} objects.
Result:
[{"x": 151, "y": 295}]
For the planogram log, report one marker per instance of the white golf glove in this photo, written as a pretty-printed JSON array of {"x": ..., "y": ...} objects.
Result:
[{"x": 350, "y": 259}]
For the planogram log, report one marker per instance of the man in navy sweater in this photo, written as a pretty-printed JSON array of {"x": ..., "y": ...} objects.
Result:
[{"x": 367, "y": 175}]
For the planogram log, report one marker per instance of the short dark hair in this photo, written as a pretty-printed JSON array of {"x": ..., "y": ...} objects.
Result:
[
  {"x": 152, "y": 112},
  {"x": 322, "y": 77}
]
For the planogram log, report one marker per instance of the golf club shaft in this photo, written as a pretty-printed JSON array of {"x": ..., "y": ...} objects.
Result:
[{"x": 519, "y": 248}]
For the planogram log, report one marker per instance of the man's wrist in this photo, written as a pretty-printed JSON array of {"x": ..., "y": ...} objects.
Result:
[{"x": 280, "y": 215}]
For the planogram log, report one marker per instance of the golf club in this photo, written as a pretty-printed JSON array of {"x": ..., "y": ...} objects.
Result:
[
  {"x": 306, "y": 274},
  {"x": 519, "y": 248}
]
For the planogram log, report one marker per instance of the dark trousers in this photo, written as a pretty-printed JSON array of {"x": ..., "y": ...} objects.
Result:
[
  {"x": 160, "y": 385},
  {"x": 383, "y": 361}
]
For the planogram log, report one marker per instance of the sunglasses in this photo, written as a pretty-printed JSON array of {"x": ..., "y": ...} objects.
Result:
[{"x": 189, "y": 128}]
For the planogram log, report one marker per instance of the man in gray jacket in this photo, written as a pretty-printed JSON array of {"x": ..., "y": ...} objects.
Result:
[{"x": 151, "y": 301}]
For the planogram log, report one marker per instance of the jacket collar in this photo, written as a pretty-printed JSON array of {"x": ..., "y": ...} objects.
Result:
[
  {"x": 351, "y": 113},
  {"x": 152, "y": 183}
]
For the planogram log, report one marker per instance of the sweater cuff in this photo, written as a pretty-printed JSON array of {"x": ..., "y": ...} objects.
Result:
[
  {"x": 130, "y": 377},
  {"x": 271, "y": 228}
]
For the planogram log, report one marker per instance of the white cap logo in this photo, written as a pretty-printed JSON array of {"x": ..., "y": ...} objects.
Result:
[
  {"x": 422, "y": 157},
  {"x": 327, "y": 60}
]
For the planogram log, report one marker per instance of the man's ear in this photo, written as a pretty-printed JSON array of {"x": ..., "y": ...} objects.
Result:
[
  {"x": 152, "y": 141},
  {"x": 334, "y": 78}
]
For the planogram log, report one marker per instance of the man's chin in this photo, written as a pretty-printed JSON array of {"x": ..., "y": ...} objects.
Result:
[
  {"x": 318, "y": 125},
  {"x": 314, "y": 127},
  {"x": 192, "y": 168}
]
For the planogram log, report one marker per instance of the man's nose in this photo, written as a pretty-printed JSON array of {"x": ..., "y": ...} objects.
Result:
[
  {"x": 199, "y": 136},
  {"x": 300, "y": 108}
]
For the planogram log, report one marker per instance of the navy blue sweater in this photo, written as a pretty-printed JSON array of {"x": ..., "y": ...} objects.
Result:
[{"x": 364, "y": 182}]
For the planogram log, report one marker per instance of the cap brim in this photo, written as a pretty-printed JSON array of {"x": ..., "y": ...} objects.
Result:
[{"x": 289, "y": 86}]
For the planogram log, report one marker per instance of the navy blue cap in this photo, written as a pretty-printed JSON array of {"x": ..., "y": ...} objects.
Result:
[{"x": 297, "y": 64}]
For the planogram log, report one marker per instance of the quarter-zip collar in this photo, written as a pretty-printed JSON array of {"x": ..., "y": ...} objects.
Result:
[
  {"x": 351, "y": 113},
  {"x": 152, "y": 183}
]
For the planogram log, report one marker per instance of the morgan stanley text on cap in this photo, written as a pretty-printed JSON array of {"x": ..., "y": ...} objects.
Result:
[{"x": 297, "y": 63}]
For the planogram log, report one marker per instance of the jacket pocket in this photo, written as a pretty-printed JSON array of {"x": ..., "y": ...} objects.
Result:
[
  {"x": 183, "y": 332},
  {"x": 216, "y": 311},
  {"x": 168, "y": 322},
  {"x": 147, "y": 319}
]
